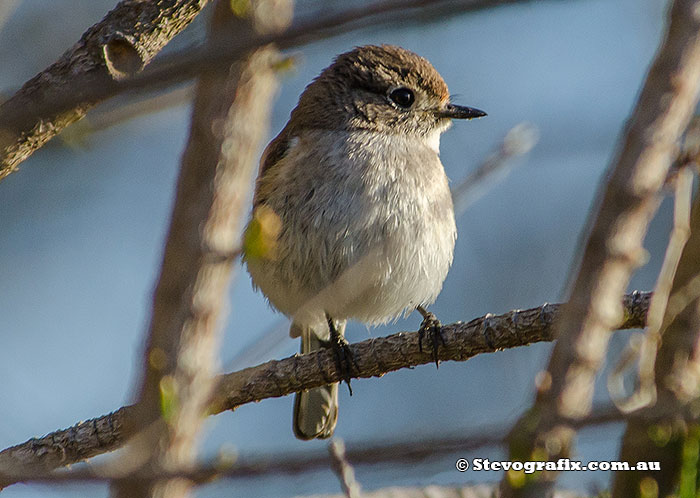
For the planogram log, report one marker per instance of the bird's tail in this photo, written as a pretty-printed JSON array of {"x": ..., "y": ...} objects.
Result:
[{"x": 315, "y": 410}]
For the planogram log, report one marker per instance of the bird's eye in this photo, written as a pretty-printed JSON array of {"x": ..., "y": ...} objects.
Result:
[{"x": 403, "y": 97}]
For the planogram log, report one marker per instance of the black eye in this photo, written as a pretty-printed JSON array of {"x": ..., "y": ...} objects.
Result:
[{"x": 402, "y": 97}]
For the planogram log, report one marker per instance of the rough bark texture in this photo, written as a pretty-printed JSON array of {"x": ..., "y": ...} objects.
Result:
[
  {"x": 375, "y": 357},
  {"x": 613, "y": 251},
  {"x": 120, "y": 45},
  {"x": 229, "y": 121}
]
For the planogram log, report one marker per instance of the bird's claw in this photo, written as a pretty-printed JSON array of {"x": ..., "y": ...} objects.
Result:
[
  {"x": 431, "y": 328},
  {"x": 344, "y": 357}
]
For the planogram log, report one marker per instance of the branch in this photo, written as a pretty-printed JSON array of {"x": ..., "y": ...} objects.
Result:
[
  {"x": 368, "y": 453},
  {"x": 64, "y": 92},
  {"x": 118, "y": 46},
  {"x": 677, "y": 376},
  {"x": 614, "y": 249},
  {"x": 276, "y": 378},
  {"x": 343, "y": 470},
  {"x": 378, "y": 356},
  {"x": 208, "y": 218}
]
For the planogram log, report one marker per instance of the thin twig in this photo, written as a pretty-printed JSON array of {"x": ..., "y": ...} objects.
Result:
[
  {"x": 645, "y": 350},
  {"x": 343, "y": 470},
  {"x": 367, "y": 453}
]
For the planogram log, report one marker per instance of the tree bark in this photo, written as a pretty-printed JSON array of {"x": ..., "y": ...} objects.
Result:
[
  {"x": 613, "y": 251},
  {"x": 117, "y": 47}
]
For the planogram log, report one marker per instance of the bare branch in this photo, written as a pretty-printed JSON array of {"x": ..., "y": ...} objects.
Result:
[
  {"x": 614, "y": 249},
  {"x": 375, "y": 357},
  {"x": 118, "y": 46},
  {"x": 343, "y": 470},
  {"x": 677, "y": 374},
  {"x": 367, "y": 453},
  {"x": 229, "y": 121},
  {"x": 644, "y": 349},
  {"x": 64, "y": 92}
]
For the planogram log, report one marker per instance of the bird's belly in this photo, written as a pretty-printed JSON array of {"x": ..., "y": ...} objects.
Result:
[
  {"x": 364, "y": 264},
  {"x": 361, "y": 241},
  {"x": 406, "y": 269}
]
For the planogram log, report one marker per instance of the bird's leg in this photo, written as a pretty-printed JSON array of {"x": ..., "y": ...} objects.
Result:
[
  {"x": 432, "y": 328},
  {"x": 344, "y": 359}
]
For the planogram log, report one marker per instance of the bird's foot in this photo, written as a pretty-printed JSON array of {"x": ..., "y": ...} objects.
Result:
[
  {"x": 344, "y": 357},
  {"x": 430, "y": 328}
]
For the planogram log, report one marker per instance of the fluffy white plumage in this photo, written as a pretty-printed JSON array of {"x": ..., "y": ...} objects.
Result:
[{"x": 359, "y": 240}]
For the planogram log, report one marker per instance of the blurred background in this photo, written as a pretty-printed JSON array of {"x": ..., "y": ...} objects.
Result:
[{"x": 83, "y": 224}]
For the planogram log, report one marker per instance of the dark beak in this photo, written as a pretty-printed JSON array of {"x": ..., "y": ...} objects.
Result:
[{"x": 453, "y": 111}]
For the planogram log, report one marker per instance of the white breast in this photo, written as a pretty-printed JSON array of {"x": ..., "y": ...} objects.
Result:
[
  {"x": 369, "y": 228},
  {"x": 433, "y": 141}
]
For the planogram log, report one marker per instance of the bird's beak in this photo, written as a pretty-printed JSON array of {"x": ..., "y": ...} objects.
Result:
[{"x": 453, "y": 111}]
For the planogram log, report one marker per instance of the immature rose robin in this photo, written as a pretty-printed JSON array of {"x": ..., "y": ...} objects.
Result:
[{"x": 362, "y": 221}]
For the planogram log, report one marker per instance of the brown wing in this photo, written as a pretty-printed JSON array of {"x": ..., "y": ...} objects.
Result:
[{"x": 273, "y": 153}]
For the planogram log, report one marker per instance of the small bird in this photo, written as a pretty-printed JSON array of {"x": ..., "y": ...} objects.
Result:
[{"x": 355, "y": 205}]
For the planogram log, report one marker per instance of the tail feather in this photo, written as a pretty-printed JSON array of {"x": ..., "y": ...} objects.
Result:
[{"x": 316, "y": 410}]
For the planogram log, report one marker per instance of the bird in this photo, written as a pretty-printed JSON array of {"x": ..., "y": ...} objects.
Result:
[{"x": 352, "y": 214}]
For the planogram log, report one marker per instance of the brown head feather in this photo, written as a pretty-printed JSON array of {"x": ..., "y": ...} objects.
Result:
[{"x": 352, "y": 92}]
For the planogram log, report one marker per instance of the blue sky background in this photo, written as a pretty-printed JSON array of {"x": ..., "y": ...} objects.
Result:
[{"x": 84, "y": 219}]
